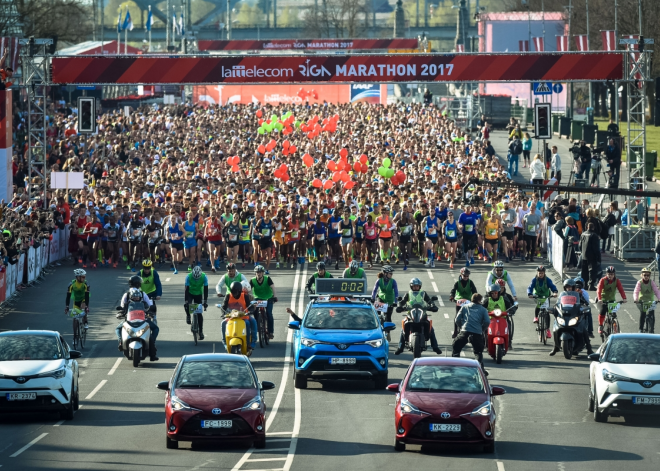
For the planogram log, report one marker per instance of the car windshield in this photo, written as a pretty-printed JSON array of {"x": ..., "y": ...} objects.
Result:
[
  {"x": 215, "y": 375},
  {"x": 29, "y": 347},
  {"x": 448, "y": 379},
  {"x": 631, "y": 351},
  {"x": 345, "y": 318}
]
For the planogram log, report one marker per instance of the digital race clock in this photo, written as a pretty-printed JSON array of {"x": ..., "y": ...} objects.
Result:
[{"x": 341, "y": 286}]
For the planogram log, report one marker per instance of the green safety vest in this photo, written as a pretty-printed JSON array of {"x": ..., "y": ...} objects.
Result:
[
  {"x": 148, "y": 283},
  {"x": 386, "y": 292},
  {"x": 325, "y": 275},
  {"x": 499, "y": 304},
  {"x": 541, "y": 289},
  {"x": 463, "y": 292},
  {"x": 416, "y": 297},
  {"x": 196, "y": 287},
  {"x": 609, "y": 291},
  {"x": 229, "y": 281},
  {"x": 503, "y": 277},
  {"x": 359, "y": 274},
  {"x": 261, "y": 291},
  {"x": 646, "y": 292}
]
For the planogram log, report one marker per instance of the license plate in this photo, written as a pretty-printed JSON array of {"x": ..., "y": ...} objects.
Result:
[
  {"x": 21, "y": 396},
  {"x": 445, "y": 427},
  {"x": 653, "y": 401},
  {"x": 216, "y": 423},
  {"x": 343, "y": 361}
]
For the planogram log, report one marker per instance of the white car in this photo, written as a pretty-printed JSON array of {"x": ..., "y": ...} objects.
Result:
[
  {"x": 38, "y": 373},
  {"x": 625, "y": 377}
]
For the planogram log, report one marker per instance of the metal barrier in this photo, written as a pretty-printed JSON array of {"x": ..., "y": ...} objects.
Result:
[{"x": 634, "y": 242}]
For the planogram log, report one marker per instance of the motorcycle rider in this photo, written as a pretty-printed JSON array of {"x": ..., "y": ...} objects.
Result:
[
  {"x": 584, "y": 299},
  {"x": 320, "y": 273},
  {"x": 412, "y": 297},
  {"x": 239, "y": 299},
  {"x": 386, "y": 290},
  {"x": 472, "y": 320},
  {"x": 541, "y": 287},
  {"x": 644, "y": 291},
  {"x": 495, "y": 300},
  {"x": 499, "y": 273},
  {"x": 354, "y": 271},
  {"x": 464, "y": 288},
  {"x": 136, "y": 295},
  {"x": 197, "y": 291},
  {"x": 228, "y": 279},
  {"x": 151, "y": 285},
  {"x": 569, "y": 290},
  {"x": 606, "y": 292}
]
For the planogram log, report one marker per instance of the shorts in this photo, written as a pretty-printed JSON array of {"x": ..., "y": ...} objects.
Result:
[
  {"x": 176, "y": 245},
  {"x": 405, "y": 239},
  {"x": 519, "y": 232},
  {"x": 508, "y": 234},
  {"x": 291, "y": 242},
  {"x": 113, "y": 241},
  {"x": 84, "y": 241},
  {"x": 453, "y": 240},
  {"x": 346, "y": 240},
  {"x": 265, "y": 244},
  {"x": 358, "y": 240},
  {"x": 92, "y": 240},
  {"x": 153, "y": 245},
  {"x": 432, "y": 239},
  {"x": 189, "y": 243},
  {"x": 384, "y": 238},
  {"x": 469, "y": 242},
  {"x": 231, "y": 245},
  {"x": 215, "y": 242},
  {"x": 421, "y": 237}
]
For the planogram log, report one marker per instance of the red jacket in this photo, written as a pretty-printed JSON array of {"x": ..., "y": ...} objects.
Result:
[{"x": 601, "y": 284}]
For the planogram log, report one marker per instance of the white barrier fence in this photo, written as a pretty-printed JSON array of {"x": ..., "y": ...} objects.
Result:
[
  {"x": 32, "y": 263},
  {"x": 556, "y": 253}
]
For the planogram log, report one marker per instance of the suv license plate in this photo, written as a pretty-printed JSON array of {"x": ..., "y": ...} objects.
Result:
[
  {"x": 343, "y": 361},
  {"x": 651, "y": 401},
  {"x": 445, "y": 427},
  {"x": 21, "y": 396},
  {"x": 216, "y": 423}
]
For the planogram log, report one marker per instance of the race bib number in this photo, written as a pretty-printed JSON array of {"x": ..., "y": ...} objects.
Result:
[
  {"x": 544, "y": 304},
  {"x": 380, "y": 307},
  {"x": 531, "y": 227},
  {"x": 214, "y": 231},
  {"x": 432, "y": 231},
  {"x": 320, "y": 236},
  {"x": 469, "y": 227},
  {"x": 153, "y": 234},
  {"x": 233, "y": 237},
  {"x": 265, "y": 232},
  {"x": 613, "y": 308},
  {"x": 492, "y": 232},
  {"x": 294, "y": 234},
  {"x": 189, "y": 234},
  {"x": 95, "y": 230},
  {"x": 112, "y": 234},
  {"x": 451, "y": 233},
  {"x": 261, "y": 303},
  {"x": 81, "y": 230},
  {"x": 346, "y": 232},
  {"x": 406, "y": 230},
  {"x": 335, "y": 226},
  {"x": 460, "y": 302},
  {"x": 360, "y": 229},
  {"x": 370, "y": 232},
  {"x": 136, "y": 232},
  {"x": 175, "y": 236}
]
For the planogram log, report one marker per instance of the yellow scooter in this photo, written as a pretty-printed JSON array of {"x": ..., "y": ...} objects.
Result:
[{"x": 236, "y": 333}]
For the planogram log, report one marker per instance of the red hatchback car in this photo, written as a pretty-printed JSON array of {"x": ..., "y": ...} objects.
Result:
[
  {"x": 444, "y": 400},
  {"x": 215, "y": 397}
]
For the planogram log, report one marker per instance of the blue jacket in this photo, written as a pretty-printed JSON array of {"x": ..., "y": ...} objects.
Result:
[
  {"x": 159, "y": 287},
  {"x": 472, "y": 318},
  {"x": 551, "y": 285}
]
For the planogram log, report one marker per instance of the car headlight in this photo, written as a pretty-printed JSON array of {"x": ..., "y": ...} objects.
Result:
[
  {"x": 573, "y": 321},
  {"x": 309, "y": 342},
  {"x": 561, "y": 321},
  {"x": 57, "y": 374},
  {"x": 613, "y": 378},
  {"x": 483, "y": 409},
  {"x": 179, "y": 405},
  {"x": 408, "y": 408},
  {"x": 374, "y": 343},
  {"x": 254, "y": 404}
]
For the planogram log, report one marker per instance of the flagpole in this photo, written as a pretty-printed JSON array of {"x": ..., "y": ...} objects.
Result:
[
  {"x": 167, "y": 29},
  {"x": 126, "y": 40},
  {"x": 119, "y": 33},
  {"x": 591, "y": 98},
  {"x": 149, "y": 17},
  {"x": 616, "y": 46}
]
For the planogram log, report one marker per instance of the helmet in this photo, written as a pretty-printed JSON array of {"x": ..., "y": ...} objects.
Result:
[
  {"x": 79, "y": 272},
  {"x": 231, "y": 266},
  {"x": 135, "y": 294},
  {"x": 465, "y": 271},
  {"x": 501, "y": 283},
  {"x": 135, "y": 281},
  {"x": 197, "y": 273},
  {"x": 494, "y": 288},
  {"x": 610, "y": 269},
  {"x": 570, "y": 282},
  {"x": 579, "y": 282},
  {"x": 540, "y": 268},
  {"x": 147, "y": 263},
  {"x": 320, "y": 266},
  {"x": 387, "y": 269},
  {"x": 415, "y": 282},
  {"x": 259, "y": 269},
  {"x": 236, "y": 289},
  {"x": 246, "y": 286},
  {"x": 354, "y": 266},
  {"x": 646, "y": 270},
  {"x": 498, "y": 264}
]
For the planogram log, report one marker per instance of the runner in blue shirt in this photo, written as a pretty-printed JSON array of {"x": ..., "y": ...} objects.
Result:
[{"x": 468, "y": 222}]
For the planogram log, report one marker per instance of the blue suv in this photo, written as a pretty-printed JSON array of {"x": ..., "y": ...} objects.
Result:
[{"x": 339, "y": 339}]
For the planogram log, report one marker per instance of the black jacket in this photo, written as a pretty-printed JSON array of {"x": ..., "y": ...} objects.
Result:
[{"x": 590, "y": 246}]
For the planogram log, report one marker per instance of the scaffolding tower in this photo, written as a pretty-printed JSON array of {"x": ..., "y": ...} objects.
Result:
[{"x": 35, "y": 62}]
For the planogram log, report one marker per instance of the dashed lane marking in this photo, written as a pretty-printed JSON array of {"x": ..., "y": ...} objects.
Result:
[
  {"x": 500, "y": 466},
  {"x": 114, "y": 367},
  {"x": 446, "y": 316},
  {"x": 28, "y": 445},
  {"x": 435, "y": 287},
  {"x": 442, "y": 304},
  {"x": 96, "y": 389},
  {"x": 430, "y": 273}
]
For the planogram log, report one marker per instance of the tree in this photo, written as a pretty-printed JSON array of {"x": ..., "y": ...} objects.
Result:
[
  {"x": 338, "y": 18},
  {"x": 64, "y": 20}
]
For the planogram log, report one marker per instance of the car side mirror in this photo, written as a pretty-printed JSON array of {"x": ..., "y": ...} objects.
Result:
[
  {"x": 164, "y": 385},
  {"x": 497, "y": 391},
  {"x": 74, "y": 354},
  {"x": 294, "y": 325},
  {"x": 389, "y": 326},
  {"x": 393, "y": 388},
  {"x": 266, "y": 385},
  {"x": 594, "y": 356},
  {"x": 434, "y": 298}
]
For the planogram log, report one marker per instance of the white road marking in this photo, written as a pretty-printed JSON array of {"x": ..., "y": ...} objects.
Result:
[
  {"x": 296, "y": 431},
  {"x": 59, "y": 423},
  {"x": 281, "y": 433},
  {"x": 435, "y": 287},
  {"x": 462, "y": 353},
  {"x": 500, "y": 466},
  {"x": 430, "y": 274},
  {"x": 446, "y": 316},
  {"x": 115, "y": 366},
  {"x": 28, "y": 445},
  {"x": 255, "y": 460},
  {"x": 271, "y": 440},
  {"x": 442, "y": 304},
  {"x": 268, "y": 450},
  {"x": 96, "y": 389}
]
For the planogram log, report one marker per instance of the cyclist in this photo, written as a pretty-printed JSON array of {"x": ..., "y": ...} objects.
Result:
[
  {"x": 264, "y": 290},
  {"x": 412, "y": 297},
  {"x": 541, "y": 287},
  {"x": 354, "y": 271},
  {"x": 136, "y": 295},
  {"x": 584, "y": 299},
  {"x": 197, "y": 291},
  {"x": 151, "y": 285},
  {"x": 464, "y": 288},
  {"x": 239, "y": 299},
  {"x": 644, "y": 291},
  {"x": 320, "y": 273},
  {"x": 499, "y": 273},
  {"x": 386, "y": 290},
  {"x": 79, "y": 288},
  {"x": 230, "y": 277},
  {"x": 606, "y": 292},
  {"x": 495, "y": 299}
]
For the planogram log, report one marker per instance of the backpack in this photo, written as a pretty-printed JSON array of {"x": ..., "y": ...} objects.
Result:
[{"x": 517, "y": 147}]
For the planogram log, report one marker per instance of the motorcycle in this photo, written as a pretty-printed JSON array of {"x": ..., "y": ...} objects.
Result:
[
  {"x": 570, "y": 326},
  {"x": 497, "y": 338},
  {"x": 236, "y": 340},
  {"x": 135, "y": 332},
  {"x": 416, "y": 328}
]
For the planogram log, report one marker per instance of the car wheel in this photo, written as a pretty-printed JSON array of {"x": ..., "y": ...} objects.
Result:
[
  {"x": 261, "y": 443},
  {"x": 381, "y": 381},
  {"x": 590, "y": 402},
  {"x": 600, "y": 417},
  {"x": 489, "y": 447},
  {"x": 76, "y": 400},
  {"x": 300, "y": 381},
  {"x": 67, "y": 413},
  {"x": 399, "y": 446},
  {"x": 171, "y": 444}
]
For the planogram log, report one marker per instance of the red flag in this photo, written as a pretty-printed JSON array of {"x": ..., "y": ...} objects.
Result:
[
  {"x": 581, "y": 42},
  {"x": 609, "y": 40},
  {"x": 562, "y": 43},
  {"x": 538, "y": 44},
  {"x": 460, "y": 48},
  {"x": 523, "y": 45}
]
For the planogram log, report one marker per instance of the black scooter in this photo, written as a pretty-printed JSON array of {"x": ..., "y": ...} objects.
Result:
[
  {"x": 570, "y": 326},
  {"x": 417, "y": 328}
]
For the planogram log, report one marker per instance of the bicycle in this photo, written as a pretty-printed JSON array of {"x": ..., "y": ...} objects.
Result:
[
  {"x": 79, "y": 331},
  {"x": 648, "y": 309},
  {"x": 262, "y": 325},
  {"x": 611, "y": 324},
  {"x": 195, "y": 310},
  {"x": 543, "y": 324}
]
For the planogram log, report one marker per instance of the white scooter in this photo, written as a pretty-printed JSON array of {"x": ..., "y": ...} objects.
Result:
[{"x": 135, "y": 333}]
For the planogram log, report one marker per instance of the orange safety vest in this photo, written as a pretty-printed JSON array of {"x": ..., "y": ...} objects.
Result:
[
  {"x": 384, "y": 232},
  {"x": 238, "y": 304}
]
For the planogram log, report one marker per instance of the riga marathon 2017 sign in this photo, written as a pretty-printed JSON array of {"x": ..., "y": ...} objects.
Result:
[
  {"x": 309, "y": 44},
  {"x": 372, "y": 68}
]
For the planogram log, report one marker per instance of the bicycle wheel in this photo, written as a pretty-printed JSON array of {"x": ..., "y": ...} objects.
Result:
[
  {"x": 615, "y": 326},
  {"x": 539, "y": 326},
  {"x": 194, "y": 328},
  {"x": 82, "y": 333},
  {"x": 262, "y": 331},
  {"x": 75, "y": 334}
]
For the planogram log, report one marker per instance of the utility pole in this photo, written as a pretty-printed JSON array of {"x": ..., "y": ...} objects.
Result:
[
  {"x": 591, "y": 98},
  {"x": 229, "y": 20},
  {"x": 167, "y": 28},
  {"x": 616, "y": 45},
  {"x": 102, "y": 27},
  {"x": 569, "y": 95},
  {"x": 426, "y": 13},
  {"x": 417, "y": 15}
]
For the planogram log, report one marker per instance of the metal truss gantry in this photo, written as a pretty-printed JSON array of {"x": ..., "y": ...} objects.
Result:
[{"x": 35, "y": 63}]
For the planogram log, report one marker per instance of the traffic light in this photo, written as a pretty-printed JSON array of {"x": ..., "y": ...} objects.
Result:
[
  {"x": 542, "y": 115},
  {"x": 86, "y": 115}
]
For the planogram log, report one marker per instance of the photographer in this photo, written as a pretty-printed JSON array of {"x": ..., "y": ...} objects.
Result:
[
  {"x": 585, "y": 160},
  {"x": 613, "y": 155}
]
